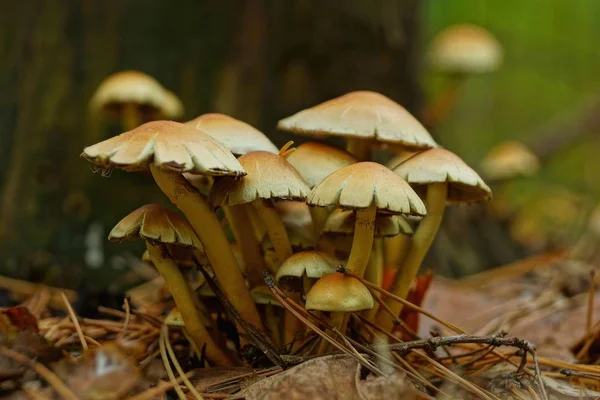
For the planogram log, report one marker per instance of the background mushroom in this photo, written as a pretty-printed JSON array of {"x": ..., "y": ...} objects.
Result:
[{"x": 160, "y": 228}]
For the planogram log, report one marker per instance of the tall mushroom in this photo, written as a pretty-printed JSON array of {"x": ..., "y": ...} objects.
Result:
[
  {"x": 132, "y": 96},
  {"x": 240, "y": 138},
  {"x": 169, "y": 149},
  {"x": 444, "y": 178},
  {"x": 367, "y": 188},
  {"x": 163, "y": 229},
  {"x": 314, "y": 161},
  {"x": 361, "y": 117}
]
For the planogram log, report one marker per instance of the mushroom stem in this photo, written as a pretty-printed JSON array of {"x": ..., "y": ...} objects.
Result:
[
  {"x": 359, "y": 148},
  {"x": 319, "y": 216},
  {"x": 275, "y": 229},
  {"x": 292, "y": 325},
  {"x": 374, "y": 274},
  {"x": 437, "y": 194},
  {"x": 362, "y": 242},
  {"x": 272, "y": 325},
  {"x": 131, "y": 116},
  {"x": 241, "y": 226},
  {"x": 336, "y": 320},
  {"x": 184, "y": 299},
  {"x": 211, "y": 234},
  {"x": 395, "y": 250}
]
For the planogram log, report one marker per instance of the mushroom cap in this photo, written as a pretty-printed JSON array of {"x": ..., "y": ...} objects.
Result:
[
  {"x": 296, "y": 217},
  {"x": 236, "y": 135},
  {"x": 338, "y": 292},
  {"x": 509, "y": 159},
  {"x": 360, "y": 185},
  {"x": 172, "y": 106},
  {"x": 465, "y": 48},
  {"x": 341, "y": 222},
  {"x": 263, "y": 295},
  {"x": 269, "y": 176},
  {"x": 130, "y": 87},
  {"x": 174, "y": 319},
  {"x": 315, "y": 160},
  {"x": 156, "y": 224},
  {"x": 168, "y": 145},
  {"x": 440, "y": 165},
  {"x": 313, "y": 264},
  {"x": 361, "y": 115}
]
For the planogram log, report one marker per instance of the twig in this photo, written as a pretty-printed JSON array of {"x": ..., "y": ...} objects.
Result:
[
  {"x": 75, "y": 322},
  {"x": 165, "y": 334},
  {"x": 157, "y": 390},
  {"x": 168, "y": 369},
  {"x": 42, "y": 371},
  {"x": 590, "y": 305}
]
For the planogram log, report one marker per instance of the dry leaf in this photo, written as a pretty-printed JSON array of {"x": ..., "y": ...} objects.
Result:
[
  {"x": 328, "y": 377},
  {"x": 567, "y": 389}
]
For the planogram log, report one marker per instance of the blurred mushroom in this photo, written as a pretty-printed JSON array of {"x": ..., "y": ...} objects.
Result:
[
  {"x": 508, "y": 160},
  {"x": 132, "y": 97},
  {"x": 361, "y": 117},
  {"x": 162, "y": 229}
]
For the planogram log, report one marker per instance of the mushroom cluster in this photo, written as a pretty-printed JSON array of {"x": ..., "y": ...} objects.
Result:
[{"x": 320, "y": 219}]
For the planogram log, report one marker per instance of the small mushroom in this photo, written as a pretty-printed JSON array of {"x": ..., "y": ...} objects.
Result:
[
  {"x": 163, "y": 229},
  {"x": 442, "y": 177},
  {"x": 361, "y": 117},
  {"x": 508, "y": 160},
  {"x": 300, "y": 270},
  {"x": 169, "y": 149},
  {"x": 133, "y": 96}
]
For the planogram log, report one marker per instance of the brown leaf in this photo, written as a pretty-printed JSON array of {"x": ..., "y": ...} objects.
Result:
[
  {"x": 103, "y": 373},
  {"x": 328, "y": 377}
]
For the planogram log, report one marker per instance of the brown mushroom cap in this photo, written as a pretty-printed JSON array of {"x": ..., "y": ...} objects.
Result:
[
  {"x": 314, "y": 161},
  {"x": 338, "y": 292},
  {"x": 237, "y": 136},
  {"x": 508, "y": 160},
  {"x": 168, "y": 145},
  {"x": 361, "y": 115},
  {"x": 313, "y": 264},
  {"x": 156, "y": 224},
  {"x": 130, "y": 87},
  {"x": 269, "y": 176},
  {"x": 465, "y": 48},
  {"x": 360, "y": 185},
  {"x": 341, "y": 222},
  {"x": 440, "y": 165},
  {"x": 172, "y": 106}
]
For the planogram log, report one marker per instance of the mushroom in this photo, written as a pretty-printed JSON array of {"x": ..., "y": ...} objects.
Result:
[
  {"x": 338, "y": 294},
  {"x": 459, "y": 51},
  {"x": 298, "y": 272},
  {"x": 367, "y": 188},
  {"x": 128, "y": 95},
  {"x": 342, "y": 222},
  {"x": 509, "y": 160},
  {"x": 236, "y": 135},
  {"x": 314, "y": 161},
  {"x": 269, "y": 177},
  {"x": 361, "y": 117},
  {"x": 169, "y": 149},
  {"x": 162, "y": 230},
  {"x": 446, "y": 179}
]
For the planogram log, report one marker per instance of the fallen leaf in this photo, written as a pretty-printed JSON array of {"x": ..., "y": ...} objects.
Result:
[{"x": 329, "y": 377}]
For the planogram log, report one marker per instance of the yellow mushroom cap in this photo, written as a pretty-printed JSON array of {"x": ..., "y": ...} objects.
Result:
[
  {"x": 263, "y": 295},
  {"x": 129, "y": 87},
  {"x": 465, "y": 48},
  {"x": 313, "y": 264},
  {"x": 314, "y": 161},
  {"x": 168, "y": 145},
  {"x": 360, "y": 185},
  {"x": 172, "y": 106},
  {"x": 338, "y": 292},
  {"x": 236, "y": 135},
  {"x": 156, "y": 224},
  {"x": 440, "y": 165},
  {"x": 269, "y": 176},
  {"x": 508, "y": 160},
  {"x": 361, "y": 115},
  {"x": 341, "y": 222}
]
